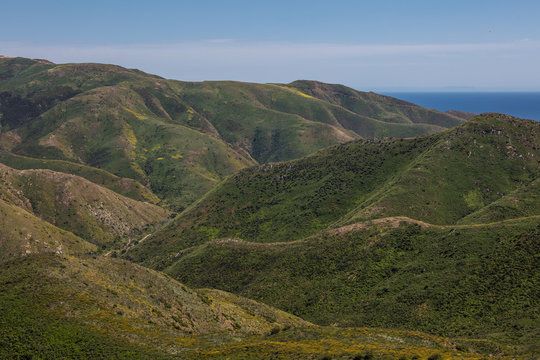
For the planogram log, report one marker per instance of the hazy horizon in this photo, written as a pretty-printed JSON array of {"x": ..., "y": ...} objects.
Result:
[{"x": 396, "y": 46}]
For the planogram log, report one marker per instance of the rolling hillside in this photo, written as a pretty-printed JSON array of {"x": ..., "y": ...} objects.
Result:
[
  {"x": 440, "y": 178},
  {"x": 123, "y": 186},
  {"x": 426, "y": 233},
  {"x": 307, "y": 211},
  {"x": 177, "y": 138},
  {"x": 384, "y": 108},
  {"x": 23, "y": 233}
]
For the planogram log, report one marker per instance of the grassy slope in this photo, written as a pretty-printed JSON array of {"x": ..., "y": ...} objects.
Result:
[
  {"x": 123, "y": 186},
  {"x": 253, "y": 117},
  {"x": 23, "y": 233},
  {"x": 468, "y": 168},
  {"x": 179, "y": 138},
  {"x": 439, "y": 178},
  {"x": 522, "y": 202},
  {"x": 381, "y": 107},
  {"x": 72, "y": 203},
  {"x": 103, "y": 308}
]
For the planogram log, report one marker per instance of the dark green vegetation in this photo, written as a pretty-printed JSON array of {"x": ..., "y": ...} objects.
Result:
[
  {"x": 178, "y": 138},
  {"x": 438, "y": 233},
  {"x": 466, "y": 281}
]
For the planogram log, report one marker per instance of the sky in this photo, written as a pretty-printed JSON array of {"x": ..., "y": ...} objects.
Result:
[{"x": 377, "y": 45}]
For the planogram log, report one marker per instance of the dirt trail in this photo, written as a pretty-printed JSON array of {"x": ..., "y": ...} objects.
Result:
[{"x": 393, "y": 221}]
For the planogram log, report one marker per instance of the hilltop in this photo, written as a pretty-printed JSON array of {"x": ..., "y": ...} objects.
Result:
[{"x": 182, "y": 138}]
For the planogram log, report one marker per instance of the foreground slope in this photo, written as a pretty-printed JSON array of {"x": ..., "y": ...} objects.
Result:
[
  {"x": 69, "y": 303},
  {"x": 179, "y": 138},
  {"x": 56, "y": 306}
]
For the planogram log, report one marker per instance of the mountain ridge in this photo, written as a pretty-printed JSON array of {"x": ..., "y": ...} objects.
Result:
[{"x": 141, "y": 126}]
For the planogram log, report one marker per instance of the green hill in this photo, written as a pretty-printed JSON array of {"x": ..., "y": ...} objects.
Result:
[
  {"x": 178, "y": 138},
  {"x": 470, "y": 167},
  {"x": 321, "y": 236},
  {"x": 439, "y": 178},
  {"x": 92, "y": 212}
]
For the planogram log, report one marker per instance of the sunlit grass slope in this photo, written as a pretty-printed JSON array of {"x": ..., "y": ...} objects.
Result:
[
  {"x": 124, "y": 186},
  {"x": 22, "y": 233}
]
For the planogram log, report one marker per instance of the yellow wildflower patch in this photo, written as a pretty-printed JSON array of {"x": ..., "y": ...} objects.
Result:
[
  {"x": 136, "y": 114},
  {"x": 298, "y": 92},
  {"x": 190, "y": 113},
  {"x": 129, "y": 135}
]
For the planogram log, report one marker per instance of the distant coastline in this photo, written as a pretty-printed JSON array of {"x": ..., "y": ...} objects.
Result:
[{"x": 524, "y": 105}]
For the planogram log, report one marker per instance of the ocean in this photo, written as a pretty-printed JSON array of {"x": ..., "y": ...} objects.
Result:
[{"x": 524, "y": 105}]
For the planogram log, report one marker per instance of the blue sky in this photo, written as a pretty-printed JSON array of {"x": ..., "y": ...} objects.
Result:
[{"x": 370, "y": 45}]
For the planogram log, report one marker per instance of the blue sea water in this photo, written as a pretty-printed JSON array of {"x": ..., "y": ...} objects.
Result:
[{"x": 524, "y": 105}]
